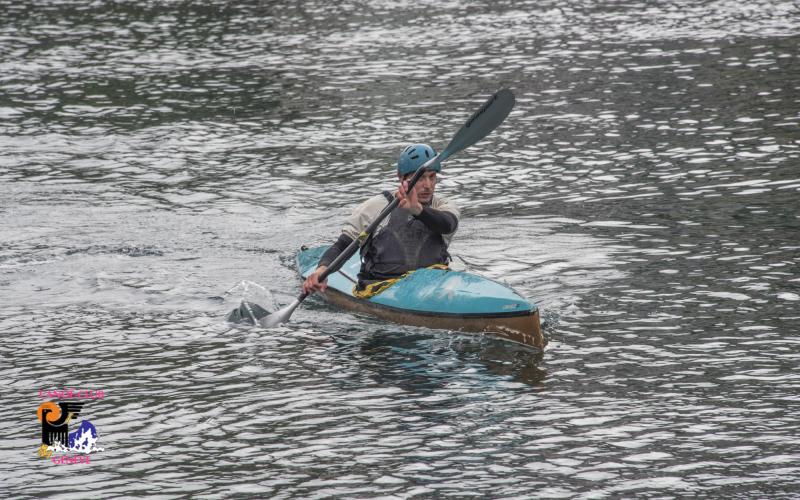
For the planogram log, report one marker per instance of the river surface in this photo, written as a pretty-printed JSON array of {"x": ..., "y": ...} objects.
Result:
[{"x": 160, "y": 161}]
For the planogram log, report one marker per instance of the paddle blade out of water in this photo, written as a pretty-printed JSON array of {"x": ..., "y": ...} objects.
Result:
[{"x": 483, "y": 121}]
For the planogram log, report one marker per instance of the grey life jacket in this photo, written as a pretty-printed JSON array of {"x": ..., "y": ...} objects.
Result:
[{"x": 403, "y": 244}]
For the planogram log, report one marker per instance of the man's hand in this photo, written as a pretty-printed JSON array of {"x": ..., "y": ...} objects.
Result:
[
  {"x": 408, "y": 202},
  {"x": 312, "y": 283}
]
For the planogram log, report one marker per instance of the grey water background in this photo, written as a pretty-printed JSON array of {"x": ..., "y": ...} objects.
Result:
[{"x": 161, "y": 160}]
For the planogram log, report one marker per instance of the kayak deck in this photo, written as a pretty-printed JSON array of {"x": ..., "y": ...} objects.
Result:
[{"x": 436, "y": 298}]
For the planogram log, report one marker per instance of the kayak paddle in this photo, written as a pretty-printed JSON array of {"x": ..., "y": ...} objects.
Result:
[{"x": 483, "y": 121}]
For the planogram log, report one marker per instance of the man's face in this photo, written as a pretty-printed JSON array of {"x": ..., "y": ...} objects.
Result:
[{"x": 424, "y": 187}]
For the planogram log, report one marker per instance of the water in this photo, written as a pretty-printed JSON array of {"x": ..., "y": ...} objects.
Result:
[{"x": 160, "y": 160}]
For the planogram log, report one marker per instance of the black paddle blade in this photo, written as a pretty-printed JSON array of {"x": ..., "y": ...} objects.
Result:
[
  {"x": 247, "y": 312},
  {"x": 483, "y": 121}
]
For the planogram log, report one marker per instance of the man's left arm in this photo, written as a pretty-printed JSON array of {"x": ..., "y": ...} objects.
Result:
[
  {"x": 441, "y": 217},
  {"x": 438, "y": 221}
]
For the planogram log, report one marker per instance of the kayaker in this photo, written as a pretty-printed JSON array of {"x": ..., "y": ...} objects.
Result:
[{"x": 416, "y": 235}]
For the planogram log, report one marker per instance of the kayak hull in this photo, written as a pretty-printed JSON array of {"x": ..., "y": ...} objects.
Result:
[
  {"x": 524, "y": 329},
  {"x": 451, "y": 300}
]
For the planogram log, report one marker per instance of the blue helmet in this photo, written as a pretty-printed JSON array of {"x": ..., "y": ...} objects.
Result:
[{"x": 414, "y": 156}]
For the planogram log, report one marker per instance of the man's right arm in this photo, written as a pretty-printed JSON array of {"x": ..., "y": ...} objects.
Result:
[
  {"x": 357, "y": 222},
  {"x": 334, "y": 250},
  {"x": 361, "y": 217}
]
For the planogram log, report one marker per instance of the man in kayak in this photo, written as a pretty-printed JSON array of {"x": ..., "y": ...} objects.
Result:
[{"x": 416, "y": 235}]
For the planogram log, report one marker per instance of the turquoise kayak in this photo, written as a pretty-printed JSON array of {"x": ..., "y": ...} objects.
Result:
[{"x": 435, "y": 298}]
